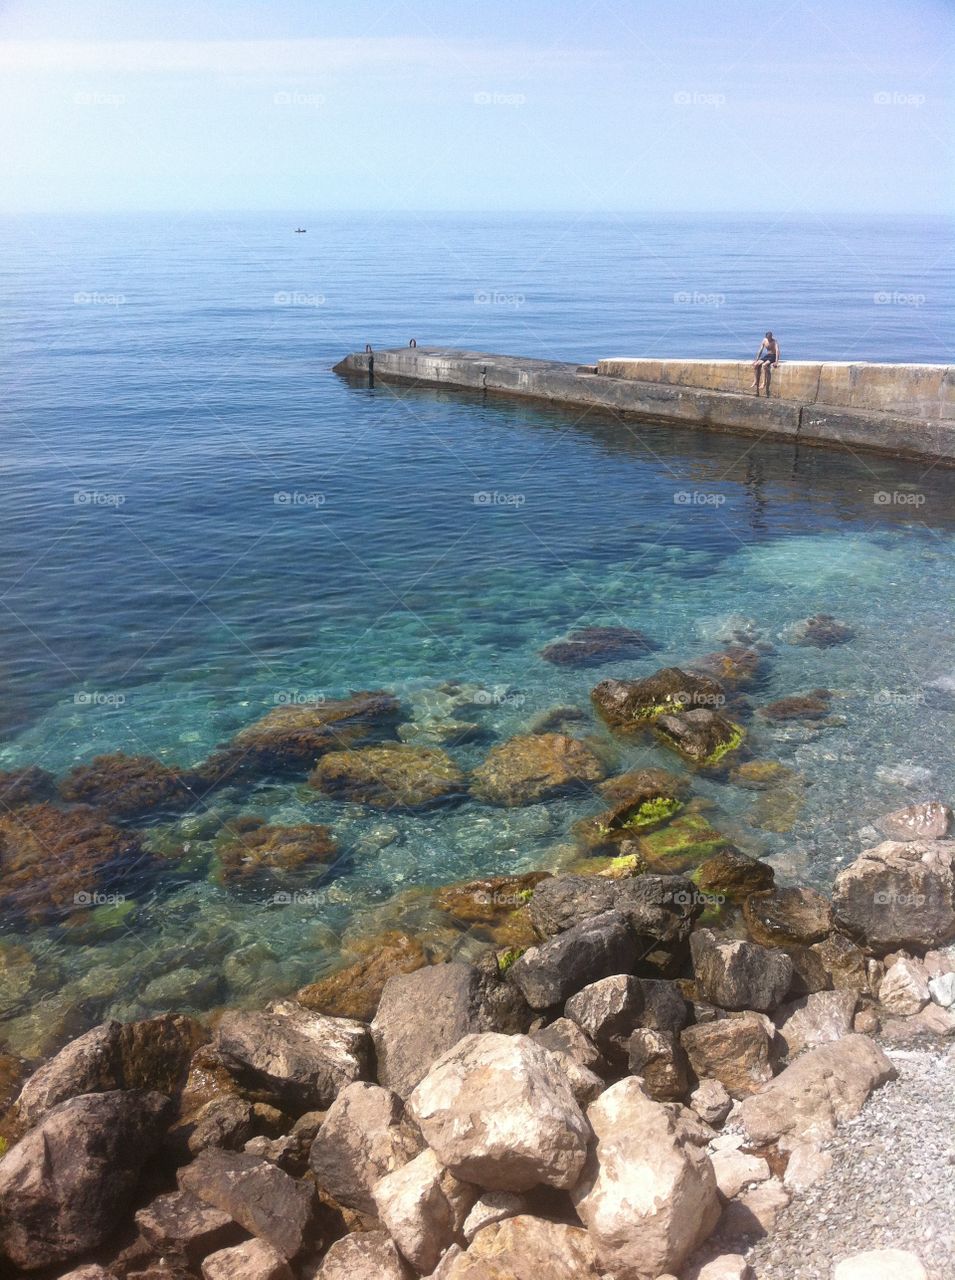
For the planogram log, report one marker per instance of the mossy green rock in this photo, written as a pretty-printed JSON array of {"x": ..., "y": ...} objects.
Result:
[
  {"x": 631, "y": 704},
  {"x": 702, "y": 736},
  {"x": 682, "y": 843},
  {"x": 733, "y": 875}
]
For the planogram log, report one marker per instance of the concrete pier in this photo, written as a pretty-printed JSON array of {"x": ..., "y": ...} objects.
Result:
[{"x": 905, "y": 410}]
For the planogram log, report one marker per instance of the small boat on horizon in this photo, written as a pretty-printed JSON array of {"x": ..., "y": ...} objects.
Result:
[{"x": 300, "y": 231}]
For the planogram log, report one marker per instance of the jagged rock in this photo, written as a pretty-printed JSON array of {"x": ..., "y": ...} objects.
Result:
[
  {"x": 659, "y": 1059},
  {"x": 355, "y": 990},
  {"x": 253, "y": 1260},
  {"x": 65, "y": 1187},
  {"x": 815, "y": 1019},
  {"x": 899, "y": 895},
  {"x": 735, "y": 1051},
  {"x": 785, "y": 917},
  {"x": 647, "y": 1196},
  {"x": 657, "y": 908},
  {"x": 365, "y": 1255},
  {"x": 129, "y": 786},
  {"x": 364, "y": 1137},
  {"x": 880, "y": 1264},
  {"x": 491, "y": 1207},
  {"x": 821, "y": 631},
  {"x": 739, "y": 975},
  {"x": 257, "y": 854},
  {"x": 87, "y": 1064},
  {"x": 293, "y": 1056},
  {"x": 459, "y": 999},
  {"x": 942, "y": 989},
  {"x": 227, "y": 1122},
  {"x": 498, "y": 1111},
  {"x": 711, "y": 1101},
  {"x": 546, "y": 975},
  {"x": 735, "y": 1170},
  {"x": 181, "y": 1223},
  {"x": 592, "y": 646},
  {"x": 809, "y": 971},
  {"x": 610, "y": 1010},
  {"x": 702, "y": 736},
  {"x": 732, "y": 875},
  {"x": 55, "y": 861},
  {"x": 904, "y": 990},
  {"x": 291, "y": 737},
  {"x": 931, "y": 820},
  {"x": 424, "y": 1208},
  {"x": 822, "y": 1088},
  {"x": 630, "y": 704},
  {"x": 526, "y": 1248},
  {"x": 533, "y": 767},
  {"x": 260, "y": 1197},
  {"x": 843, "y": 961},
  {"x": 391, "y": 775},
  {"x": 565, "y": 1037}
]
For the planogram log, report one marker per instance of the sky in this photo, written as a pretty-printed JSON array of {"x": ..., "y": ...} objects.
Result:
[{"x": 494, "y": 105}]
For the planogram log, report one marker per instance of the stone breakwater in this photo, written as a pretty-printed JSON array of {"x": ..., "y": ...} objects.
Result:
[
  {"x": 898, "y": 409},
  {"x": 639, "y": 1094}
]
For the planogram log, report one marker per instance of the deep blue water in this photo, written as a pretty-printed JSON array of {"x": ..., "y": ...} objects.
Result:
[{"x": 200, "y": 519}]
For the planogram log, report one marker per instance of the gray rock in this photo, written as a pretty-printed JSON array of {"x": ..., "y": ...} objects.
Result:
[
  {"x": 564, "y": 1036},
  {"x": 660, "y": 1061},
  {"x": 365, "y": 1255},
  {"x": 253, "y": 1260},
  {"x": 711, "y": 1102},
  {"x": 931, "y": 820},
  {"x": 259, "y": 1196},
  {"x": 491, "y": 1207},
  {"x": 364, "y": 1137},
  {"x": 740, "y": 975},
  {"x": 424, "y": 1208},
  {"x": 65, "y": 1187},
  {"x": 899, "y": 895},
  {"x": 295, "y": 1057},
  {"x": 546, "y": 975},
  {"x": 658, "y": 908},
  {"x": 608, "y": 1012},
  {"x": 181, "y": 1223},
  {"x": 456, "y": 1000}
]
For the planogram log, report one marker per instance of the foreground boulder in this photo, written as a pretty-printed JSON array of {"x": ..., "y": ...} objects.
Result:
[
  {"x": 735, "y": 1051},
  {"x": 253, "y": 1260},
  {"x": 657, "y": 908},
  {"x": 533, "y": 767},
  {"x": 365, "y": 1255},
  {"x": 65, "y": 1187},
  {"x": 292, "y": 1056},
  {"x": 390, "y": 776},
  {"x": 815, "y": 1019},
  {"x": 900, "y": 894},
  {"x": 364, "y": 1137},
  {"x": 181, "y": 1223},
  {"x": 424, "y": 1207},
  {"x": 739, "y": 975},
  {"x": 424, "y": 1013},
  {"x": 498, "y": 1111},
  {"x": 630, "y": 704},
  {"x": 600, "y": 947},
  {"x": 526, "y": 1248},
  {"x": 647, "y": 1196},
  {"x": 819, "y": 1091},
  {"x": 259, "y": 1196}
]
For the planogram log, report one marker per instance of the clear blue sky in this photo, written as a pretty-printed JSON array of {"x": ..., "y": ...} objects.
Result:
[{"x": 492, "y": 105}]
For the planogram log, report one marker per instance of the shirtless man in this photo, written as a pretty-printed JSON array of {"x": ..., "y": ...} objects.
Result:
[{"x": 767, "y": 357}]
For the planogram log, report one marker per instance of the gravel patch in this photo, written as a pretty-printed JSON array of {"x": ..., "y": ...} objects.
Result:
[{"x": 892, "y": 1183}]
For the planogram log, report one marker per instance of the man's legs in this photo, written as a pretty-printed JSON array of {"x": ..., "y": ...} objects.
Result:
[
  {"x": 757, "y": 374},
  {"x": 769, "y": 376}
]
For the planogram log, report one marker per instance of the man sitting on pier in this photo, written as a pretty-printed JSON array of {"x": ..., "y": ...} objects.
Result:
[{"x": 767, "y": 357}]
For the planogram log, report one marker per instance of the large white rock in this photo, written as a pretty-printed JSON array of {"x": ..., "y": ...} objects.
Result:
[
  {"x": 424, "y": 1208},
  {"x": 904, "y": 990},
  {"x": 735, "y": 1170},
  {"x": 253, "y": 1260},
  {"x": 818, "y": 1018},
  {"x": 364, "y": 1255},
  {"x": 526, "y": 1248},
  {"x": 880, "y": 1264},
  {"x": 648, "y": 1196},
  {"x": 498, "y": 1111}
]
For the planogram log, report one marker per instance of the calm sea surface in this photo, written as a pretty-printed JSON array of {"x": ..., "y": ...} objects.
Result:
[{"x": 200, "y": 520}]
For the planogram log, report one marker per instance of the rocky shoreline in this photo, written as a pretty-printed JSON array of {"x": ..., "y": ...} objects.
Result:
[{"x": 646, "y": 1063}]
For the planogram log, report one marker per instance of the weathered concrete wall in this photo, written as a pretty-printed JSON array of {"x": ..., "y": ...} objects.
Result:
[
  {"x": 900, "y": 434},
  {"x": 913, "y": 390}
]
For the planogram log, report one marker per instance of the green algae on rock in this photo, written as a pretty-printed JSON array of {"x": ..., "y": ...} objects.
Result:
[
  {"x": 702, "y": 736},
  {"x": 630, "y": 704},
  {"x": 681, "y": 844},
  {"x": 733, "y": 875},
  {"x": 390, "y": 776}
]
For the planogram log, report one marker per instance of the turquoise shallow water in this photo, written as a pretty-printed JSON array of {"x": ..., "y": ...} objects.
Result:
[{"x": 202, "y": 521}]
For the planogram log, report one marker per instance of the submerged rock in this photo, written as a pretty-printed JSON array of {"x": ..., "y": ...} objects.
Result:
[
  {"x": 899, "y": 894},
  {"x": 128, "y": 786},
  {"x": 821, "y": 631},
  {"x": 533, "y": 767},
  {"x": 630, "y": 704},
  {"x": 254, "y": 853},
  {"x": 592, "y": 646},
  {"x": 389, "y": 776},
  {"x": 54, "y": 861},
  {"x": 28, "y": 785},
  {"x": 354, "y": 990},
  {"x": 639, "y": 801},
  {"x": 782, "y": 917},
  {"x": 701, "y": 736},
  {"x": 735, "y": 667},
  {"x": 803, "y": 706},
  {"x": 929, "y": 821}
]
